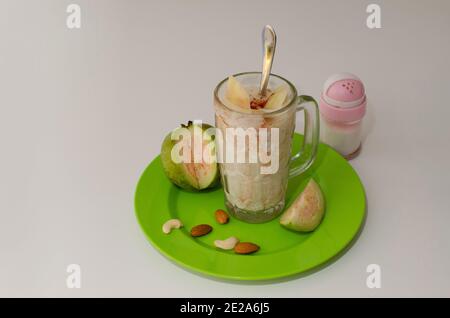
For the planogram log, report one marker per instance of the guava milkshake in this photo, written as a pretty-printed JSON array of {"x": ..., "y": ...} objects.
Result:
[{"x": 254, "y": 150}]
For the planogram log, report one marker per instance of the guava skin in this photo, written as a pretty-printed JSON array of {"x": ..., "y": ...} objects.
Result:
[
  {"x": 175, "y": 172},
  {"x": 307, "y": 211},
  {"x": 181, "y": 174}
]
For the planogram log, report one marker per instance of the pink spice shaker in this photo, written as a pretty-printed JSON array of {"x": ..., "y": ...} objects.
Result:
[{"x": 342, "y": 107}]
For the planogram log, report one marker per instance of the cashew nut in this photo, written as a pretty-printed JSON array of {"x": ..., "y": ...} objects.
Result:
[
  {"x": 227, "y": 244},
  {"x": 171, "y": 224}
]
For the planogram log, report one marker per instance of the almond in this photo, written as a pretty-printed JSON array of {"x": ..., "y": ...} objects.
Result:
[
  {"x": 222, "y": 217},
  {"x": 200, "y": 230},
  {"x": 246, "y": 248}
]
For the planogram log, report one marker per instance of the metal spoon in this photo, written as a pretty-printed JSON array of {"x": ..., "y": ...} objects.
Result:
[{"x": 269, "y": 43}]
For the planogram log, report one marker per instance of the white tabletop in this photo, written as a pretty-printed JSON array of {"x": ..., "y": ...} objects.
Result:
[{"x": 83, "y": 111}]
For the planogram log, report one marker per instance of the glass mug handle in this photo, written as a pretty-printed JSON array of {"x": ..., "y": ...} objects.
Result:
[{"x": 308, "y": 150}]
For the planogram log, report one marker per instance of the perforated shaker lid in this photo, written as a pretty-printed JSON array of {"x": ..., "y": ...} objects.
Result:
[
  {"x": 343, "y": 90},
  {"x": 343, "y": 98}
]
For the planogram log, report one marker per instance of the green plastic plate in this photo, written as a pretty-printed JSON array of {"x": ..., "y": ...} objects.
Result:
[{"x": 283, "y": 253}]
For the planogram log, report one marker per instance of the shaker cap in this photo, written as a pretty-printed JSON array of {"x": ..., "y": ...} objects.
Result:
[
  {"x": 343, "y": 90},
  {"x": 343, "y": 98}
]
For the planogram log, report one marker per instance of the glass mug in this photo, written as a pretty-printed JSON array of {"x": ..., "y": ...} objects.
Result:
[{"x": 251, "y": 195}]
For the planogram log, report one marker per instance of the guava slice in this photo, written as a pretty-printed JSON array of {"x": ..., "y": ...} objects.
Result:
[
  {"x": 306, "y": 212},
  {"x": 191, "y": 176},
  {"x": 236, "y": 93},
  {"x": 277, "y": 99}
]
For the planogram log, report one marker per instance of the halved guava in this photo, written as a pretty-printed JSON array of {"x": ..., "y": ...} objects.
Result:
[
  {"x": 307, "y": 211},
  {"x": 191, "y": 175}
]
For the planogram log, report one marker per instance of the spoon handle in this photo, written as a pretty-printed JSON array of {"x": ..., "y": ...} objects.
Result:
[{"x": 269, "y": 43}]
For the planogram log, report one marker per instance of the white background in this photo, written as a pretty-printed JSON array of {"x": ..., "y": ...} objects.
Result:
[{"x": 84, "y": 111}]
